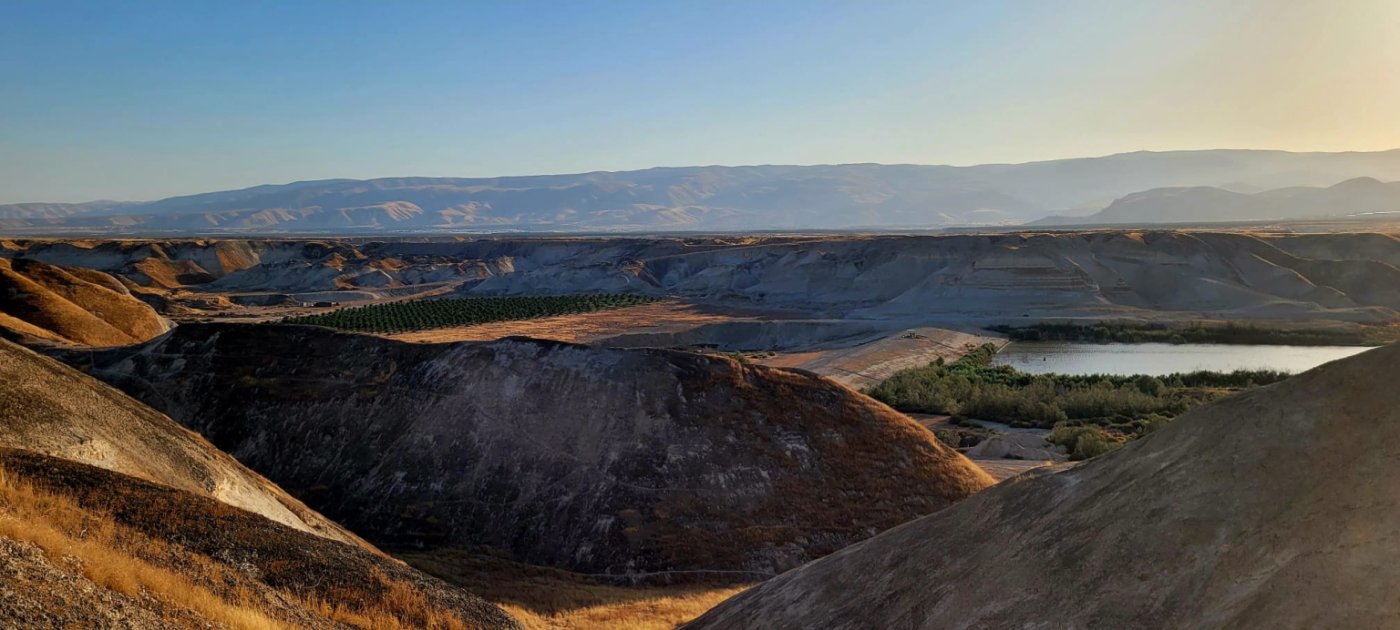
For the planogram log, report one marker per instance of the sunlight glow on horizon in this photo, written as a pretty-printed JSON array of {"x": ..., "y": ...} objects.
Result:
[{"x": 143, "y": 101}]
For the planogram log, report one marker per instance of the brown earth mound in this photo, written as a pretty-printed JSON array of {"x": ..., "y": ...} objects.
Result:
[
  {"x": 82, "y": 547},
  {"x": 630, "y": 463},
  {"x": 72, "y": 305},
  {"x": 1275, "y": 508}
]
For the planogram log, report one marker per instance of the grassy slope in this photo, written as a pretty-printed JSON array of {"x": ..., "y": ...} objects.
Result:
[
  {"x": 545, "y": 598},
  {"x": 183, "y": 558}
]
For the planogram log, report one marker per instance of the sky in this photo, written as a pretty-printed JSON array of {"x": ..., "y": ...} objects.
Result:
[{"x": 142, "y": 100}]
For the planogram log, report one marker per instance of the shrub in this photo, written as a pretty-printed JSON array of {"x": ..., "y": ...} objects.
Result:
[
  {"x": 1083, "y": 442},
  {"x": 1231, "y": 333},
  {"x": 1124, "y": 406}
]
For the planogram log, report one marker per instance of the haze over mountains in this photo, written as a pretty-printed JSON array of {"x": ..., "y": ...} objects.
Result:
[
  {"x": 719, "y": 198},
  {"x": 1201, "y": 204}
]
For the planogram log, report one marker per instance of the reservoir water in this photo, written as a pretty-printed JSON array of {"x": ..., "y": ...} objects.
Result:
[{"x": 1157, "y": 359}]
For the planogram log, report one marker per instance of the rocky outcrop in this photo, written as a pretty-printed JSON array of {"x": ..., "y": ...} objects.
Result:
[
  {"x": 1273, "y": 508},
  {"x": 630, "y": 463}
]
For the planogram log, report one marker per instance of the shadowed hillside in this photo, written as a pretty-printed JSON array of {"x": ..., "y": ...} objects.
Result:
[
  {"x": 1274, "y": 508},
  {"x": 631, "y": 463},
  {"x": 112, "y": 515},
  {"x": 52, "y": 409}
]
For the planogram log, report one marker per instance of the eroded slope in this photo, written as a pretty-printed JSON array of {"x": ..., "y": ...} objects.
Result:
[
  {"x": 72, "y": 305},
  {"x": 90, "y": 548},
  {"x": 1335, "y": 276},
  {"x": 49, "y": 408},
  {"x": 624, "y": 462}
]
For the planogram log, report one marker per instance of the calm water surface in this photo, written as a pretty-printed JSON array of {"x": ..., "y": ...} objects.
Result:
[{"x": 1038, "y": 357}]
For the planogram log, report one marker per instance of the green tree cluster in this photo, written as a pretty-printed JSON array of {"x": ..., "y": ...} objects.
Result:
[
  {"x": 1090, "y": 414},
  {"x": 1196, "y": 332}
]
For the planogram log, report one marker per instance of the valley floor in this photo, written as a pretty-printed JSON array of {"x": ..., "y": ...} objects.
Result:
[
  {"x": 544, "y": 598},
  {"x": 1009, "y": 453},
  {"x": 668, "y": 316},
  {"x": 873, "y": 361}
]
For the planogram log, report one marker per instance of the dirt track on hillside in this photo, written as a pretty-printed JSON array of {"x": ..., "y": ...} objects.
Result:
[{"x": 660, "y": 317}]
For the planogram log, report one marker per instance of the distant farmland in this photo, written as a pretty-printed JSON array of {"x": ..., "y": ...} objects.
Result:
[{"x": 415, "y": 315}]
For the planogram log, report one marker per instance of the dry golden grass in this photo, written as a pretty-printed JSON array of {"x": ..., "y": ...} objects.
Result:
[
  {"x": 402, "y": 607},
  {"x": 657, "y": 317},
  {"x": 64, "y": 530},
  {"x": 127, "y": 561},
  {"x": 646, "y": 608},
  {"x": 544, "y": 598}
]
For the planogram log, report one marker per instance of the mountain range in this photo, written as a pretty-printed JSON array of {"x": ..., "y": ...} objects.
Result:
[
  {"x": 718, "y": 198},
  {"x": 1204, "y": 204}
]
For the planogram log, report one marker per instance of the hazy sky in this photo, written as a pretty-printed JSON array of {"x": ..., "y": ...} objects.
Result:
[{"x": 141, "y": 100}]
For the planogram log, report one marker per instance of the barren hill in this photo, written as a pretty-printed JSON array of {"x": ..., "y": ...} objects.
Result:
[
  {"x": 72, "y": 305},
  {"x": 1275, "y": 508},
  {"x": 112, "y": 515},
  {"x": 49, "y": 408},
  {"x": 82, "y": 547},
  {"x": 619, "y": 462}
]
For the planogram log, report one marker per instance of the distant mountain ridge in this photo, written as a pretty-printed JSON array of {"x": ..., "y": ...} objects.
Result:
[
  {"x": 1204, "y": 204},
  {"x": 703, "y": 198}
]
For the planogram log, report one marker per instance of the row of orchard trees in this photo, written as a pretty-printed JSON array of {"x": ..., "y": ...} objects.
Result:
[{"x": 414, "y": 315}]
